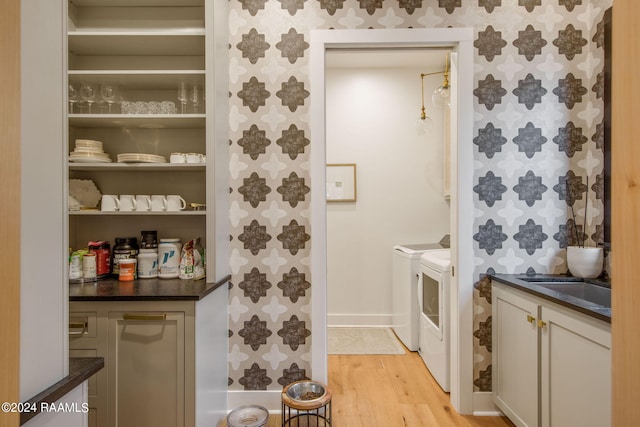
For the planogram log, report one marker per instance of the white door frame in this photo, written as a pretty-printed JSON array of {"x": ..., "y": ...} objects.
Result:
[{"x": 461, "y": 41}]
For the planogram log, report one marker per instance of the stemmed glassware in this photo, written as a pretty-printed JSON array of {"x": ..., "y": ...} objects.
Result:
[
  {"x": 195, "y": 98},
  {"x": 109, "y": 93},
  {"x": 88, "y": 93},
  {"x": 74, "y": 95},
  {"x": 183, "y": 95}
]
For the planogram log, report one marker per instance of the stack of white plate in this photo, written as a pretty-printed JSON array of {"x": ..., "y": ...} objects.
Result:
[
  {"x": 140, "y": 158},
  {"x": 88, "y": 150}
]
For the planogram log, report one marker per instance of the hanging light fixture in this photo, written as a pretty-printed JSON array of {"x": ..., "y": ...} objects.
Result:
[
  {"x": 425, "y": 123},
  {"x": 441, "y": 96}
]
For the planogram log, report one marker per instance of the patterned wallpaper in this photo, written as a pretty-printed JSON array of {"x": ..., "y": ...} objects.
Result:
[{"x": 538, "y": 136}]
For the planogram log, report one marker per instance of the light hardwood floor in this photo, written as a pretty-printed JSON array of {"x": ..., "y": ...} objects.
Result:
[
  {"x": 390, "y": 391},
  {"x": 393, "y": 390}
]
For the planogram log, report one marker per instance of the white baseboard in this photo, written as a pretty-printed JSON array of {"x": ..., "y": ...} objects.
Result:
[
  {"x": 359, "y": 320},
  {"x": 270, "y": 399},
  {"x": 483, "y": 404}
]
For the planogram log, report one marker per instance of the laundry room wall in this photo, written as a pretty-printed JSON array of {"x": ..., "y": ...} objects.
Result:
[{"x": 371, "y": 121}]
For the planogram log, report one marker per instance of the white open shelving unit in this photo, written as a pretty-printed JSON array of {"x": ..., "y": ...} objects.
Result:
[{"x": 146, "y": 48}]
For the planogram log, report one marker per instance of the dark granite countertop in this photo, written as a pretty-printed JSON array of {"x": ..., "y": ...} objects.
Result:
[
  {"x": 518, "y": 281},
  {"x": 80, "y": 370},
  {"x": 143, "y": 290}
]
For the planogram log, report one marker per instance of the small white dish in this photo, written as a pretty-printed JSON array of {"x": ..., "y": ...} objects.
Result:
[{"x": 140, "y": 158}]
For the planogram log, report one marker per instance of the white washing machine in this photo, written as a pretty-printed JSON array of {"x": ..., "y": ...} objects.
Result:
[
  {"x": 406, "y": 269},
  {"x": 434, "y": 297}
]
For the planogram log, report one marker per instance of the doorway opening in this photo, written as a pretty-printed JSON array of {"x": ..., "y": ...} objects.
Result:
[
  {"x": 459, "y": 41},
  {"x": 373, "y": 116}
]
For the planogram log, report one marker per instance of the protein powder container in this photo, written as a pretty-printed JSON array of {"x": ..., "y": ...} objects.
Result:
[
  {"x": 169, "y": 258},
  {"x": 149, "y": 239},
  {"x": 147, "y": 263},
  {"x": 125, "y": 248},
  {"x": 102, "y": 250}
]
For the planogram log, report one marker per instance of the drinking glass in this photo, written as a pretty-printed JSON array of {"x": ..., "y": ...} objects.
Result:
[
  {"x": 109, "y": 93},
  {"x": 183, "y": 95},
  {"x": 74, "y": 95},
  {"x": 88, "y": 93},
  {"x": 195, "y": 98}
]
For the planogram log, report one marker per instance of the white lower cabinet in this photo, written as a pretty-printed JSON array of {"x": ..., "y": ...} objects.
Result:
[
  {"x": 551, "y": 365},
  {"x": 163, "y": 361},
  {"x": 575, "y": 376},
  {"x": 515, "y": 354}
]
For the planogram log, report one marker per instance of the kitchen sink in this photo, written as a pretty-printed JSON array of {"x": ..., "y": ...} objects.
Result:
[{"x": 585, "y": 291}]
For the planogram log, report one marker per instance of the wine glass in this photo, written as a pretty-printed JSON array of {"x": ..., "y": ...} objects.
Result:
[
  {"x": 109, "y": 93},
  {"x": 195, "y": 98},
  {"x": 182, "y": 95},
  {"x": 88, "y": 93},
  {"x": 74, "y": 95}
]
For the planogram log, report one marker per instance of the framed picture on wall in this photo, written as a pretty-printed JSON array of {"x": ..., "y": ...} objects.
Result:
[{"x": 341, "y": 182}]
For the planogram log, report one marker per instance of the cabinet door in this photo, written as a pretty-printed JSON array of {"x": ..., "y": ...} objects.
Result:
[
  {"x": 87, "y": 340},
  {"x": 515, "y": 356},
  {"x": 575, "y": 370},
  {"x": 146, "y": 369}
]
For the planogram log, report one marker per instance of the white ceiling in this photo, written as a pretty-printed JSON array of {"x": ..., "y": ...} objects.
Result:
[{"x": 427, "y": 59}]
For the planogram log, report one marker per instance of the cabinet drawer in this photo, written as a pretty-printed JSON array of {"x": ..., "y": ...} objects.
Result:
[{"x": 82, "y": 325}]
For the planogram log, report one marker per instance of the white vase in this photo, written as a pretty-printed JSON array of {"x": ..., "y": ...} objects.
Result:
[{"x": 585, "y": 262}]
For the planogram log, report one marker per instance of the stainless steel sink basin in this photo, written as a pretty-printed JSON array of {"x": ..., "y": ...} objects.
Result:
[{"x": 586, "y": 291}]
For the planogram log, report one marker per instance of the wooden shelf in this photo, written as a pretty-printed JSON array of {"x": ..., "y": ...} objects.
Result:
[
  {"x": 186, "y": 42},
  {"x": 133, "y": 213},
  {"x": 137, "y": 167},
  {"x": 140, "y": 121},
  {"x": 140, "y": 79},
  {"x": 137, "y": 3}
]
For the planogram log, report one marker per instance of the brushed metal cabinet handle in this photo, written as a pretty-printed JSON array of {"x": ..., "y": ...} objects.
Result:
[
  {"x": 155, "y": 317},
  {"x": 78, "y": 325}
]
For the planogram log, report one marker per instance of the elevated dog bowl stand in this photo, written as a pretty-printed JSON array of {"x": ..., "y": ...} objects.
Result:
[{"x": 298, "y": 412}]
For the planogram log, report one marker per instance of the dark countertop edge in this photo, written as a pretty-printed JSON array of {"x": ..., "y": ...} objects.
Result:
[
  {"x": 515, "y": 281},
  {"x": 175, "y": 297},
  {"x": 216, "y": 285},
  {"x": 80, "y": 370}
]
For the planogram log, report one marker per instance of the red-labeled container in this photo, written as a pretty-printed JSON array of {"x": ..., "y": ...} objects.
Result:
[{"x": 102, "y": 250}]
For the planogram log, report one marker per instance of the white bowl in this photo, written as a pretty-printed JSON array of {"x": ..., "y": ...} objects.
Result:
[{"x": 585, "y": 262}]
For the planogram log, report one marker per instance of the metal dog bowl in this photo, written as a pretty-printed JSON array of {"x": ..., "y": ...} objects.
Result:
[
  {"x": 248, "y": 416},
  {"x": 306, "y": 403},
  {"x": 306, "y": 391}
]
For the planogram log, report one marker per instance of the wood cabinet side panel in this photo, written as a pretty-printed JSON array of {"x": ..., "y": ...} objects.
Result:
[
  {"x": 625, "y": 210},
  {"x": 10, "y": 207}
]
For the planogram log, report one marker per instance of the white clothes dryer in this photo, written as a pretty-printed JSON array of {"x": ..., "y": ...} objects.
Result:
[{"x": 434, "y": 302}]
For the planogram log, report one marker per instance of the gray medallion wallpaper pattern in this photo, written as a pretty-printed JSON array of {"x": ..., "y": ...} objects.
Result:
[{"x": 538, "y": 135}]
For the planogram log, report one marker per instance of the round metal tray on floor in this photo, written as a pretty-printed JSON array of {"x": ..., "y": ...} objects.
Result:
[{"x": 248, "y": 416}]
